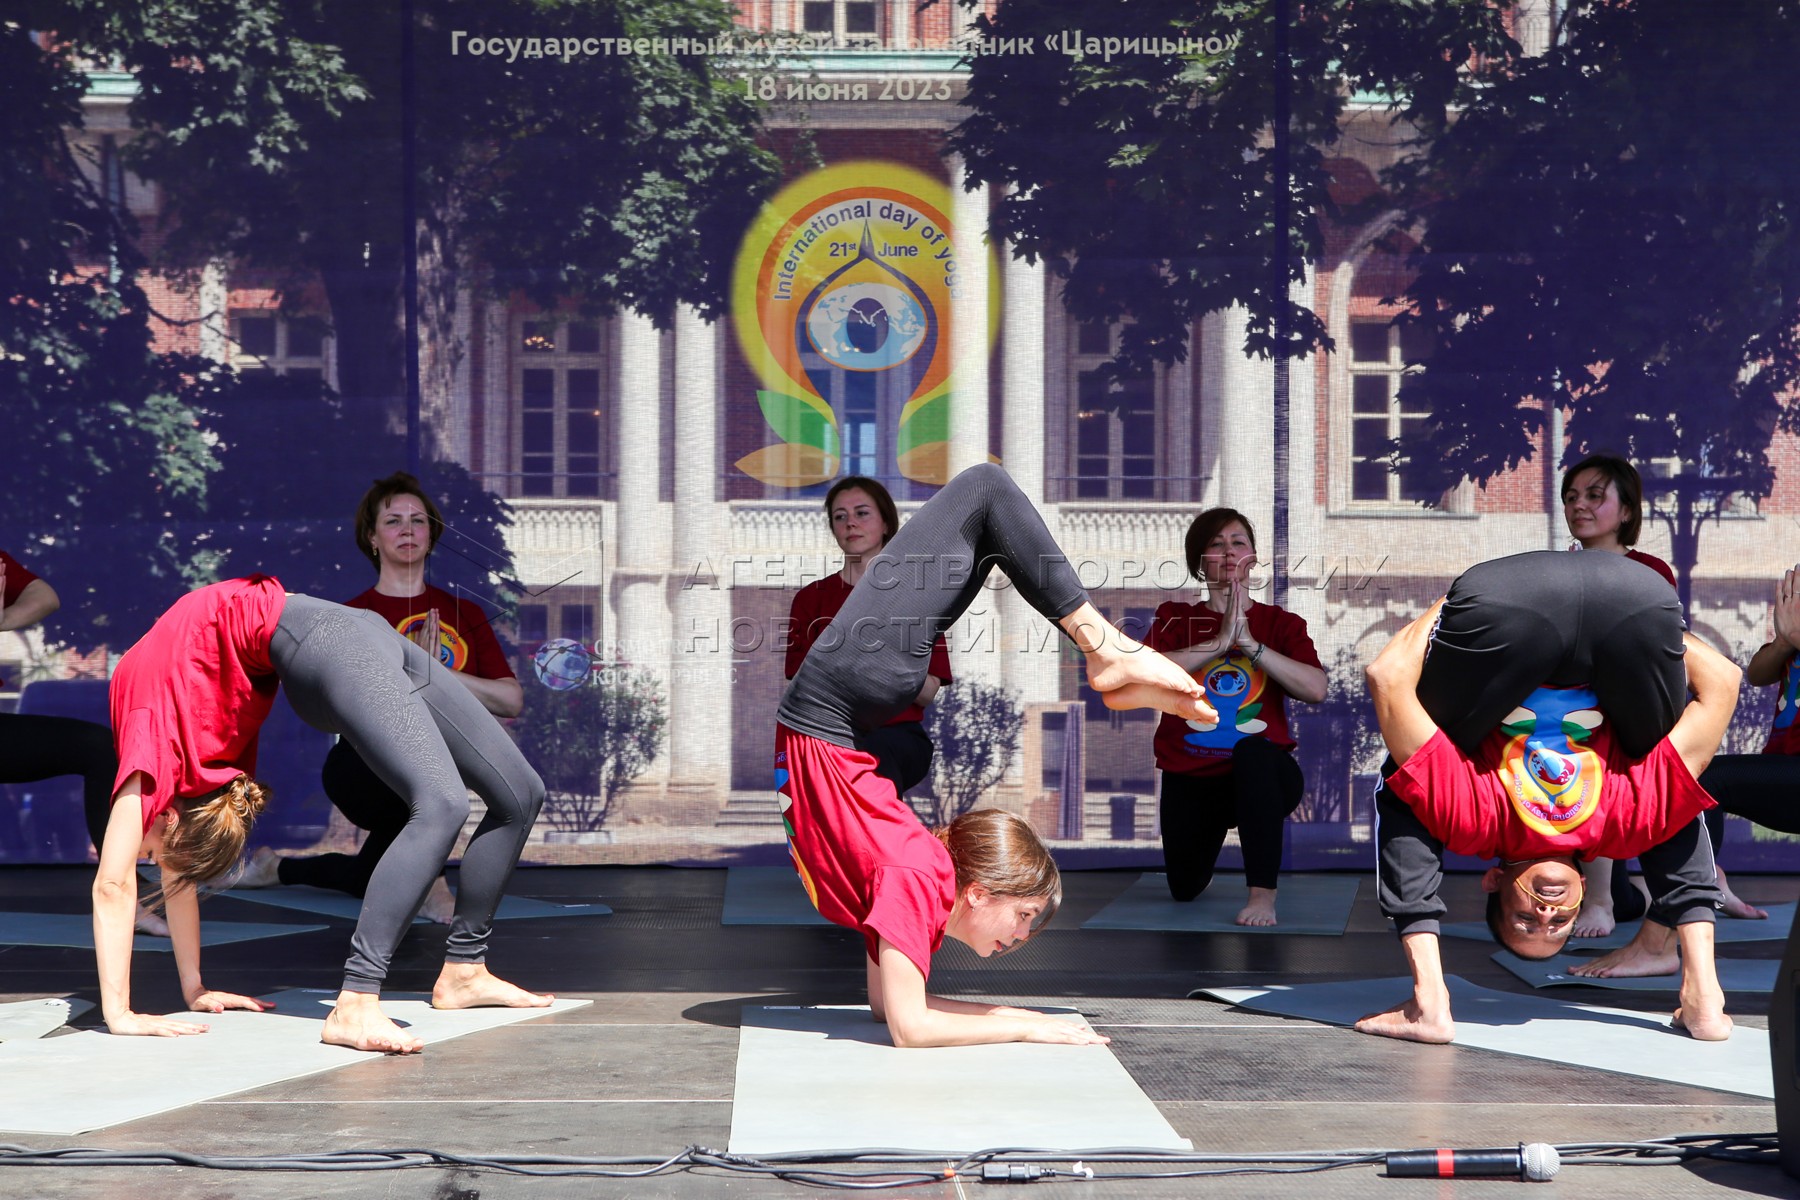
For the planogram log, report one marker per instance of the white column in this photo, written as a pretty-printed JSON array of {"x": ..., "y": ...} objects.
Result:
[
  {"x": 969, "y": 325},
  {"x": 641, "y": 524},
  {"x": 979, "y": 636},
  {"x": 700, "y": 654},
  {"x": 1027, "y": 665},
  {"x": 215, "y": 324},
  {"x": 1307, "y": 548},
  {"x": 900, "y": 15},
  {"x": 1533, "y": 21},
  {"x": 1246, "y": 434}
]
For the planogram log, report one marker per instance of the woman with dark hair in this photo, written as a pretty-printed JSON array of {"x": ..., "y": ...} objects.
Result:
[
  {"x": 187, "y": 704},
  {"x": 863, "y": 520},
  {"x": 864, "y": 858},
  {"x": 397, "y": 527},
  {"x": 1238, "y": 769}
]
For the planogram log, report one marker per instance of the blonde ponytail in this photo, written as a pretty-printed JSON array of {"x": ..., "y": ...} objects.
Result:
[{"x": 209, "y": 838}]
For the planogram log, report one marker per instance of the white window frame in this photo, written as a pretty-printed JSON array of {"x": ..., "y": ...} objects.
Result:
[
  {"x": 560, "y": 361},
  {"x": 1080, "y": 363},
  {"x": 283, "y": 361}
]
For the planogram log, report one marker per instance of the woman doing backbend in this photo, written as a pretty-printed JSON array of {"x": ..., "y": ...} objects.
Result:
[{"x": 187, "y": 703}]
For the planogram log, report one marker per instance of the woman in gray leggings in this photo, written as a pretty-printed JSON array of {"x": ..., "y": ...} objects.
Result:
[{"x": 187, "y": 702}]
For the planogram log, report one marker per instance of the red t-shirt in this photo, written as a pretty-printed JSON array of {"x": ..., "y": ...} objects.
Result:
[
  {"x": 465, "y": 640},
  {"x": 188, "y": 699},
  {"x": 1553, "y": 782},
  {"x": 815, "y": 605},
  {"x": 1250, "y": 703},
  {"x": 18, "y": 577},
  {"x": 1784, "y": 732},
  {"x": 1655, "y": 564},
  {"x": 867, "y": 862}
]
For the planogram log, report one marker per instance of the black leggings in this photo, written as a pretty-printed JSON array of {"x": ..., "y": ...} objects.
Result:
[
  {"x": 902, "y": 753},
  {"x": 424, "y": 735},
  {"x": 868, "y": 665},
  {"x": 34, "y": 747},
  {"x": 1262, "y": 788},
  {"x": 1557, "y": 619},
  {"x": 367, "y": 803}
]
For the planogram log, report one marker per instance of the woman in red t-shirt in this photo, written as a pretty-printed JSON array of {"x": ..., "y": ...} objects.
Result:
[
  {"x": 863, "y": 520},
  {"x": 396, "y": 528},
  {"x": 862, "y": 855},
  {"x": 1239, "y": 769},
  {"x": 188, "y": 702}
]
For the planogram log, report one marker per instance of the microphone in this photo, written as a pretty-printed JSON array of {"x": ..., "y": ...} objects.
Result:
[{"x": 1536, "y": 1162}]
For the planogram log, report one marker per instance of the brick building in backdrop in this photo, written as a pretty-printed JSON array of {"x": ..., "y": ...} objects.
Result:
[{"x": 651, "y": 509}]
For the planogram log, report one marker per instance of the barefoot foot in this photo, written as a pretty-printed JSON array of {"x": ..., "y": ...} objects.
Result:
[
  {"x": 1594, "y": 920},
  {"x": 1177, "y": 704},
  {"x": 1410, "y": 1023},
  {"x": 471, "y": 985},
  {"x": 263, "y": 870},
  {"x": 440, "y": 903},
  {"x": 148, "y": 922},
  {"x": 358, "y": 1022},
  {"x": 1702, "y": 1013},
  {"x": 1260, "y": 910},
  {"x": 1652, "y": 952},
  {"x": 1730, "y": 905}
]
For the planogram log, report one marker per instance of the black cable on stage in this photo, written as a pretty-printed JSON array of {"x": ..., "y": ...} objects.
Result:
[{"x": 884, "y": 1167}]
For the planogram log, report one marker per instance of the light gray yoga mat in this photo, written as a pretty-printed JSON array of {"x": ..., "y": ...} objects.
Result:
[
  {"x": 1316, "y": 905},
  {"x": 328, "y": 903},
  {"x": 22, "y": 1020},
  {"x": 1727, "y": 931},
  {"x": 76, "y": 930},
  {"x": 1609, "y": 1039},
  {"x": 1735, "y": 974},
  {"x": 767, "y": 896},
  {"x": 830, "y": 1079},
  {"x": 89, "y": 1080}
]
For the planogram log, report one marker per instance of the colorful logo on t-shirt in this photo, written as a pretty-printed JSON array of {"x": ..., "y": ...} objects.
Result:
[
  {"x": 1790, "y": 692},
  {"x": 452, "y": 649},
  {"x": 787, "y": 802},
  {"x": 1235, "y": 688},
  {"x": 1553, "y": 775}
]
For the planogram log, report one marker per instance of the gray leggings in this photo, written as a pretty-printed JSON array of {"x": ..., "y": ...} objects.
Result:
[{"x": 424, "y": 735}]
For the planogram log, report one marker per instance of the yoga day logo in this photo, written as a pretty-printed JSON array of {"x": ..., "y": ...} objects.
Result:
[
  {"x": 1552, "y": 774},
  {"x": 1235, "y": 686},
  {"x": 841, "y": 299}
]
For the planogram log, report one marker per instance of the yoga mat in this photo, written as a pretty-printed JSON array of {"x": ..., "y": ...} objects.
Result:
[
  {"x": 84, "y": 1081},
  {"x": 767, "y": 896},
  {"x": 830, "y": 1079},
  {"x": 326, "y": 903},
  {"x": 22, "y": 1020},
  {"x": 1609, "y": 1039},
  {"x": 1735, "y": 974},
  {"x": 1727, "y": 930},
  {"x": 76, "y": 930},
  {"x": 1316, "y": 905}
]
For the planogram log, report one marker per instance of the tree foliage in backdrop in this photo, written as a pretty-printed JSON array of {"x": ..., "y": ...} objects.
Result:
[{"x": 975, "y": 729}]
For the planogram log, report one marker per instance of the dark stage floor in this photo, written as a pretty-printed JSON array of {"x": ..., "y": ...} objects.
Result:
[{"x": 649, "y": 1066}]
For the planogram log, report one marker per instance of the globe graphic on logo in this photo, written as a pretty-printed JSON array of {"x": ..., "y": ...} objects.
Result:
[
  {"x": 866, "y": 326},
  {"x": 562, "y": 664}
]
